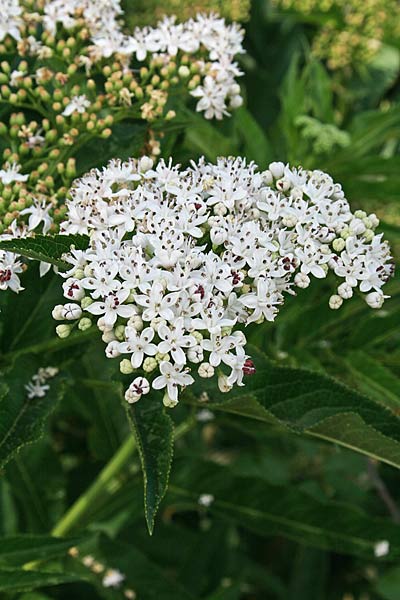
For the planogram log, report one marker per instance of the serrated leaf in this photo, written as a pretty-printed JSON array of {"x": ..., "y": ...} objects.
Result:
[
  {"x": 47, "y": 248},
  {"x": 22, "y": 419},
  {"x": 315, "y": 405},
  {"x": 269, "y": 510},
  {"x": 20, "y": 549},
  {"x": 374, "y": 379},
  {"x": 154, "y": 433}
]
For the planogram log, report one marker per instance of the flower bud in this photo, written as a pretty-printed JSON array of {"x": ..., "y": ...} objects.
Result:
[
  {"x": 206, "y": 370},
  {"x": 71, "y": 311},
  {"x": 335, "y": 302},
  {"x": 338, "y": 244},
  {"x": 63, "y": 331},
  {"x": 57, "y": 312},
  {"x": 375, "y": 300},
  {"x": 125, "y": 366},
  {"x": 345, "y": 291},
  {"x": 84, "y": 324},
  {"x": 195, "y": 354},
  {"x": 223, "y": 384},
  {"x": 168, "y": 402},
  {"x": 112, "y": 349},
  {"x": 276, "y": 169},
  {"x": 302, "y": 280},
  {"x": 108, "y": 336},
  {"x": 149, "y": 364}
]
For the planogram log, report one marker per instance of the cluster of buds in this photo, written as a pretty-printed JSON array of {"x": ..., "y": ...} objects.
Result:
[
  {"x": 353, "y": 31},
  {"x": 111, "y": 578},
  {"x": 73, "y": 76},
  {"x": 180, "y": 260}
]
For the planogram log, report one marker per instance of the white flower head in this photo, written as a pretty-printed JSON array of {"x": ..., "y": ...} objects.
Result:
[{"x": 181, "y": 260}]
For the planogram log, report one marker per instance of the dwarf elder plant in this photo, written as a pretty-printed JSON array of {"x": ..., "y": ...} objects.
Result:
[{"x": 139, "y": 276}]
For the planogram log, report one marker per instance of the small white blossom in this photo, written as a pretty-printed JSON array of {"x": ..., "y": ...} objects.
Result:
[
  {"x": 206, "y": 500},
  {"x": 11, "y": 174},
  {"x": 381, "y": 548},
  {"x": 113, "y": 578},
  {"x": 78, "y": 104}
]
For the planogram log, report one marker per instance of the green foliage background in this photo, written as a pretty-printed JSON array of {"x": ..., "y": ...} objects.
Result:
[{"x": 303, "y": 463}]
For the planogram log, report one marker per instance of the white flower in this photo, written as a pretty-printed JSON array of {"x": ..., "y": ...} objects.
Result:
[
  {"x": 39, "y": 212},
  {"x": 171, "y": 377},
  {"x": 10, "y": 268},
  {"x": 78, "y": 104},
  {"x": 11, "y": 174},
  {"x": 112, "y": 307},
  {"x": 113, "y": 578},
  {"x": 10, "y": 19},
  {"x": 381, "y": 548},
  {"x": 156, "y": 304},
  {"x": 236, "y": 362},
  {"x": 174, "y": 339},
  {"x": 138, "y": 345},
  {"x": 206, "y": 500}
]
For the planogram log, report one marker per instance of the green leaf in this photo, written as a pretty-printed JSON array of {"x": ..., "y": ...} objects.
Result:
[
  {"x": 374, "y": 379},
  {"x": 388, "y": 585},
  {"x": 18, "y": 580},
  {"x": 48, "y": 248},
  {"x": 154, "y": 433},
  {"x": 20, "y": 549},
  {"x": 269, "y": 510},
  {"x": 312, "y": 404},
  {"x": 256, "y": 145},
  {"x": 142, "y": 574},
  {"x": 22, "y": 419}
]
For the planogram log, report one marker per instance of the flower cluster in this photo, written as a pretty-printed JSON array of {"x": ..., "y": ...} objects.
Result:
[
  {"x": 150, "y": 11},
  {"x": 86, "y": 35},
  {"x": 181, "y": 259},
  {"x": 38, "y": 386},
  {"x": 74, "y": 78},
  {"x": 352, "y": 32},
  {"x": 110, "y": 578}
]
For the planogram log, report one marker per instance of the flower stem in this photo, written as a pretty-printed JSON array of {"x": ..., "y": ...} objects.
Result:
[
  {"x": 85, "y": 501},
  {"x": 103, "y": 482}
]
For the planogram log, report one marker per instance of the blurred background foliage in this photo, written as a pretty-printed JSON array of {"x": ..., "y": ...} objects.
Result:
[{"x": 292, "y": 518}]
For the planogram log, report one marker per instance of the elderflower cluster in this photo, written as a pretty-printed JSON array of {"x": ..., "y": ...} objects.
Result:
[
  {"x": 38, "y": 386},
  {"x": 24, "y": 208},
  {"x": 87, "y": 34},
  {"x": 351, "y": 31},
  {"x": 180, "y": 260}
]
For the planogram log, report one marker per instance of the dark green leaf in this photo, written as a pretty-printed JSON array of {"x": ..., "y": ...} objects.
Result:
[
  {"x": 47, "y": 248},
  {"x": 22, "y": 419},
  {"x": 312, "y": 404},
  {"x": 153, "y": 430},
  {"x": 20, "y": 549},
  {"x": 269, "y": 510},
  {"x": 18, "y": 580}
]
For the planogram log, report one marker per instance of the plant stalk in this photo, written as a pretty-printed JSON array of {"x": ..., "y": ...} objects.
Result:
[{"x": 103, "y": 481}]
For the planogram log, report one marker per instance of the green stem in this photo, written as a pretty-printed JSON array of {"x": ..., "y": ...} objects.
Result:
[
  {"x": 105, "y": 477},
  {"x": 104, "y": 482}
]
